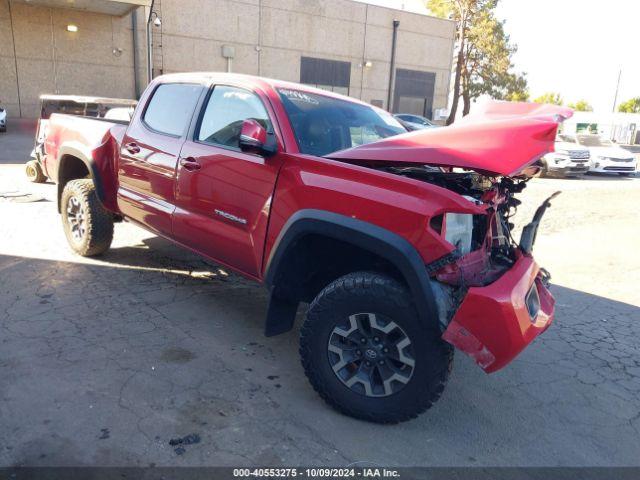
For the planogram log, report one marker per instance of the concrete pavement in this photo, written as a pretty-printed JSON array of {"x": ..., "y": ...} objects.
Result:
[{"x": 103, "y": 362}]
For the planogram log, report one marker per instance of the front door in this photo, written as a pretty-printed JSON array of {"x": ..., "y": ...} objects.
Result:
[
  {"x": 223, "y": 194},
  {"x": 149, "y": 155}
]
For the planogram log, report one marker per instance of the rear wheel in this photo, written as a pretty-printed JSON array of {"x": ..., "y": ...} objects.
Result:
[
  {"x": 34, "y": 172},
  {"x": 367, "y": 354},
  {"x": 87, "y": 225}
]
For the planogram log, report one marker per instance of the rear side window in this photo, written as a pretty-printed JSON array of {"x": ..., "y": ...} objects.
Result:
[
  {"x": 171, "y": 107},
  {"x": 226, "y": 109}
]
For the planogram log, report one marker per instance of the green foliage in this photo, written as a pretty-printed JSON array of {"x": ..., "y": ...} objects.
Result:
[
  {"x": 518, "y": 96},
  {"x": 581, "y": 106},
  {"x": 488, "y": 60},
  {"x": 549, "y": 97},
  {"x": 630, "y": 106},
  {"x": 483, "y": 59}
]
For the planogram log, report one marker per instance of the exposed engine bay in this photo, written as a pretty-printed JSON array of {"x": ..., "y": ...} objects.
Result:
[{"x": 484, "y": 245}]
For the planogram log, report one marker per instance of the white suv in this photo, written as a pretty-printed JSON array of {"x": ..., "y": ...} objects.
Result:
[
  {"x": 567, "y": 160},
  {"x": 605, "y": 156}
]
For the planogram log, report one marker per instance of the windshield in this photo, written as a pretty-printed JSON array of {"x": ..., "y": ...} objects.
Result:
[
  {"x": 323, "y": 125},
  {"x": 593, "y": 141}
]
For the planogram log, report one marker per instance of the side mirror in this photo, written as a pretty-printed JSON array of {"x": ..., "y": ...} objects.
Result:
[{"x": 254, "y": 138}]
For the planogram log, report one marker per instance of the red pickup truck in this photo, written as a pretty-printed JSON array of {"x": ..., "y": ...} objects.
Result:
[{"x": 400, "y": 242}]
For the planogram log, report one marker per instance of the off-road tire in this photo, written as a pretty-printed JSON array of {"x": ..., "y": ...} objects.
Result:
[
  {"x": 372, "y": 292},
  {"x": 98, "y": 222},
  {"x": 34, "y": 173}
]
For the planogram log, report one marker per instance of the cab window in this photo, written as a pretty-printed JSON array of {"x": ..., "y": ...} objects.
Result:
[
  {"x": 224, "y": 113},
  {"x": 171, "y": 107}
]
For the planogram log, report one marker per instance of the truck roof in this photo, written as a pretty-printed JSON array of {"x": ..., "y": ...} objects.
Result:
[{"x": 250, "y": 81}]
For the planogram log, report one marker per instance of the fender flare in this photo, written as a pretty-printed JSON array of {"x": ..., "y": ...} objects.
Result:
[
  {"x": 80, "y": 152},
  {"x": 380, "y": 241}
]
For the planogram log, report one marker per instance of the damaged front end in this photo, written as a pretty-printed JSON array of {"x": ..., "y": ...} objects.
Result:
[{"x": 492, "y": 297}]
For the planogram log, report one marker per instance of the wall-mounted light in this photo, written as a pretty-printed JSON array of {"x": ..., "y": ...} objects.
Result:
[
  {"x": 368, "y": 64},
  {"x": 72, "y": 28},
  {"x": 157, "y": 21}
]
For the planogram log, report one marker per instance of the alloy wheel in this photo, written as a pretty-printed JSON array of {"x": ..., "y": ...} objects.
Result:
[
  {"x": 76, "y": 216},
  {"x": 371, "y": 354}
]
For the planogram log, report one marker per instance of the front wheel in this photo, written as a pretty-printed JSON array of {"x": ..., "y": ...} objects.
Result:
[
  {"x": 625, "y": 174},
  {"x": 367, "y": 354},
  {"x": 87, "y": 225}
]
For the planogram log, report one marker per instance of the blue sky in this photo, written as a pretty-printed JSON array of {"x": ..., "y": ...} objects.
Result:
[
  {"x": 577, "y": 47},
  {"x": 574, "y": 47}
]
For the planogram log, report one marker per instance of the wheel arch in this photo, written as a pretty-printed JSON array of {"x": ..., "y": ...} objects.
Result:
[
  {"x": 74, "y": 163},
  {"x": 289, "y": 262}
]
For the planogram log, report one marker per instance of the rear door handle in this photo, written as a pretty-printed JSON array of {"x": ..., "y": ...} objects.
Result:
[
  {"x": 132, "y": 148},
  {"x": 190, "y": 164}
]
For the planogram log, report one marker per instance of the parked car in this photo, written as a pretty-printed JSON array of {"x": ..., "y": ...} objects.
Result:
[
  {"x": 605, "y": 156},
  {"x": 414, "y": 122},
  {"x": 567, "y": 160},
  {"x": 3, "y": 120},
  {"x": 399, "y": 261},
  {"x": 118, "y": 109}
]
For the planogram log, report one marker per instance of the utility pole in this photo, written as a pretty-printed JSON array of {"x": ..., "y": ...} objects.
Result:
[{"x": 615, "y": 98}]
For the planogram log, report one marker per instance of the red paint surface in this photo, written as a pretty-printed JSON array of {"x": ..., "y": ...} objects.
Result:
[
  {"x": 503, "y": 139},
  {"x": 147, "y": 177},
  {"x": 493, "y": 322}
]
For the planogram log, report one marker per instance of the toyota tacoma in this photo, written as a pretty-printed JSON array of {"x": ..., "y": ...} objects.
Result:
[{"x": 400, "y": 242}]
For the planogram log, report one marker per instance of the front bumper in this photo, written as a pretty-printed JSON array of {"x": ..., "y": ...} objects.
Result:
[
  {"x": 613, "y": 169},
  {"x": 493, "y": 323},
  {"x": 600, "y": 165},
  {"x": 570, "y": 169}
]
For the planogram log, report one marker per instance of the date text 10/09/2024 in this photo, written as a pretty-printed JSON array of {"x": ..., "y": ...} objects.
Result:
[{"x": 315, "y": 472}]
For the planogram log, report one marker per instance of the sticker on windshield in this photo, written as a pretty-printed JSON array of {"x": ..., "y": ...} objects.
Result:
[{"x": 298, "y": 96}]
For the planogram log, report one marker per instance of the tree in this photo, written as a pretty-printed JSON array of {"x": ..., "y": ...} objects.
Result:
[
  {"x": 517, "y": 89},
  {"x": 483, "y": 58},
  {"x": 487, "y": 66},
  {"x": 549, "y": 97},
  {"x": 630, "y": 106},
  {"x": 522, "y": 96},
  {"x": 581, "y": 106}
]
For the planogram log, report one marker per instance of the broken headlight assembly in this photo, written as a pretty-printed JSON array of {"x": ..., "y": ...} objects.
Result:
[{"x": 458, "y": 231}]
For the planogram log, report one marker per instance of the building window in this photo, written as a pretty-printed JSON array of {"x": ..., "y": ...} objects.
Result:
[
  {"x": 329, "y": 75},
  {"x": 413, "y": 92}
]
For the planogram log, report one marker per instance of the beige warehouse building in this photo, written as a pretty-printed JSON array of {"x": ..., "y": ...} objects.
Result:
[{"x": 99, "y": 47}]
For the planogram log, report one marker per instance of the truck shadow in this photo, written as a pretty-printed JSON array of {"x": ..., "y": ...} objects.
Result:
[{"x": 100, "y": 327}]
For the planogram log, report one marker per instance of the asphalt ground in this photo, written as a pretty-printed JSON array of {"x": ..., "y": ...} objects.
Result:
[{"x": 105, "y": 361}]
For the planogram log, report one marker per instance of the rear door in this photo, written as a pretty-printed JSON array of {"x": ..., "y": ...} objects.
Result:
[
  {"x": 149, "y": 155},
  {"x": 223, "y": 194}
]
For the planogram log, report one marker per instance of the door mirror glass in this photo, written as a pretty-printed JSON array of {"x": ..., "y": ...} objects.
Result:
[{"x": 254, "y": 138}]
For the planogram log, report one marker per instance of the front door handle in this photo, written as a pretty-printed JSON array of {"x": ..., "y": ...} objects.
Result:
[
  {"x": 190, "y": 164},
  {"x": 132, "y": 148}
]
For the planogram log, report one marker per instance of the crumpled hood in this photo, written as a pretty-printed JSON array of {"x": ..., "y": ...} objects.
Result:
[{"x": 500, "y": 138}]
